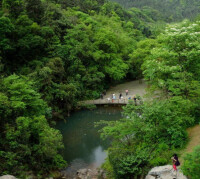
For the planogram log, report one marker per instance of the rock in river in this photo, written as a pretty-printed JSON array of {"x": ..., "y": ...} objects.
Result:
[{"x": 90, "y": 174}]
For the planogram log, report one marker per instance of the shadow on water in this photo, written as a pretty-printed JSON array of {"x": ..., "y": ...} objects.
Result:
[{"x": 83, "y": 146}]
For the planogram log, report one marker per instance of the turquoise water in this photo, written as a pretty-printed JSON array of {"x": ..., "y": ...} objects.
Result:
[{"x": 83, "y": 146}]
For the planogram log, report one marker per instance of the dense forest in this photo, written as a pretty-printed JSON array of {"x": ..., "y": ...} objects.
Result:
[
  {"x": 170, "y": 10},
  {"x": 54, "y": 53}
]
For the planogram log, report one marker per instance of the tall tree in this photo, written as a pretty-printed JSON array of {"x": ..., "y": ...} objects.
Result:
[
  {"x": 35, "y": 10},
  {"x": 13, "y": 7}
]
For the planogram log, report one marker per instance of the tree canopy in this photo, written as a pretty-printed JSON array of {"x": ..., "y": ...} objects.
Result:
[
  {"x": 54, "y": 53},
  {"x": 170, "y": 10}
]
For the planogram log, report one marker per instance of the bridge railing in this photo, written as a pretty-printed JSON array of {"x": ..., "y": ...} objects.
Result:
[{"x": 106, "y": 101}]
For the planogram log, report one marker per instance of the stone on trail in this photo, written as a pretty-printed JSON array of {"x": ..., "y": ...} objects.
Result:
[
  {"x": 7, "y": 177},
  {"x": 164, "y": 172}
]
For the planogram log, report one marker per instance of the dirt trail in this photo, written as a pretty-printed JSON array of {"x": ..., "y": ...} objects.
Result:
[
  {"x": 136, "y": 87},
  {"x": 194, "y": 140},
  {"x": 194, "y": 136}
]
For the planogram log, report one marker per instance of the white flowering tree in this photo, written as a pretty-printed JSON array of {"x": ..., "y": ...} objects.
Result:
[{"x": 174, "y": 66}]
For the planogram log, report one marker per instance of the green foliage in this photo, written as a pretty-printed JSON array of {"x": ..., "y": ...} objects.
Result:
[
  {"x": 84, "y": 5},
  {"x": 93, "y": 42},
  {"x": 6, "y": 28},
  {"x": 25, "y": 133},
  {"x": 35, "y": 10},
  {"x": 162, "y": 122},
  {"x": 52, "y": 55},
  {"x": 14, "y": 7},
  {"x": 56, "y": 53},
  {"x": 33, "y": 138},
  {"x": 108, "y": 168},
  {"x": 51, "y": 82},
  {"x": 24, "y": 101},
  {"x": 139, "y": 55},
  {"x": 171, "y": 10},
  {"x": 173, "y": 66},
  {"x": 99, "y": 43},
  {"x": 163, "y": 126},
  {"x": 191, "y": 164},
  {"x": 88, "y": 106},
  {"x": 151, "y": 131}
]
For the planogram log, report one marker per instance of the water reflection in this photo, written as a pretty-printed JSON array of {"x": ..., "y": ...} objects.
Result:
[{"x": 99, "y": 156}]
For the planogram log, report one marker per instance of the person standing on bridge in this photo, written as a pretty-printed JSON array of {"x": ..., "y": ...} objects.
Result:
[
  {"x": 135, "y": 99},
  {"x": 101, "y": 95},
  {"x": 108, "y": 100},
  {"x": 113, "y": 97},
  {"x": 126, "y": 92},
  {"x": 120, "y": 95}
]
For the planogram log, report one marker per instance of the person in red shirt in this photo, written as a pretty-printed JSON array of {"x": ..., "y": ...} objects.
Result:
[{"x": 176, "y": 163}]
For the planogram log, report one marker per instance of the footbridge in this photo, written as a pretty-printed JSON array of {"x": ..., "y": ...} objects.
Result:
[{"x": 107, "y": 101}]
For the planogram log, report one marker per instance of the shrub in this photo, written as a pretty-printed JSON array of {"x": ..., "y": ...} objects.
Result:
[{"x": 191, "y": 164}]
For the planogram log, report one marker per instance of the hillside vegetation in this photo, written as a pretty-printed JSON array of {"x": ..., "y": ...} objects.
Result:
[
  {"x": 170, "y": 10},
  {"x": 54, "y": 53}
]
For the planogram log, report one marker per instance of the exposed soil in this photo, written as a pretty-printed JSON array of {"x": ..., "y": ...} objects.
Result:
[
  {"x": 194, "y": 140},
  {"x": 136, "y": 87}
]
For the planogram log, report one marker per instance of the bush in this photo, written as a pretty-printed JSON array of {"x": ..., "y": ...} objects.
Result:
[
  {"x": 89, "y": 106},
  {"x": 191, "y": 164}
]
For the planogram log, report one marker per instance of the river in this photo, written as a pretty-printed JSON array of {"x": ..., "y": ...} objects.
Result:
[{"x": 83, "y": 146}]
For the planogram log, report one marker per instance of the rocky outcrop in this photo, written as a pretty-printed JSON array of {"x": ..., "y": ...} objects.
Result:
[
  {"x": 7, "y": 177},
  {"x": 165, "y": 172},
  {"x": 90, "y": 174}
]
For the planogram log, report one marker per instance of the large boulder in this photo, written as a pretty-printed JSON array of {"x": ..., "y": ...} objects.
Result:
[
  {"x": 7, "y": 177},
  {"x": 165, "y": 172}
]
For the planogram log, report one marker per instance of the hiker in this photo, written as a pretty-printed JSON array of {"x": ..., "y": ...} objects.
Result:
[
  {"x": 175, "y": 162},
  {"x": 126, "y": 92},
  {"x": 113, "y": 97},
  {"x": 101, "y": 95},
  {"x": 108, "y": 100},
  {"x": 120, "y": 95},
  {"x": 135, "y": 99}
]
